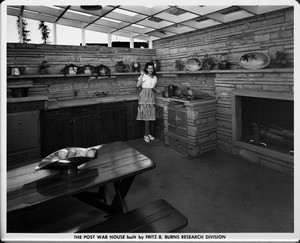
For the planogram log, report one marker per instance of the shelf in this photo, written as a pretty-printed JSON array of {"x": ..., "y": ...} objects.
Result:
[{"x": 113, "y": 75}]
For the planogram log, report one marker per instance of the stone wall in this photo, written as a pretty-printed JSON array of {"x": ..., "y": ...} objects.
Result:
[
  {"x": 268, "y": 33},
  {"x": 31, "y": 56},
  {"x": 56, "y": 87}
]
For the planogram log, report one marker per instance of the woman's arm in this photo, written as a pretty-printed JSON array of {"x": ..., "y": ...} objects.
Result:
[
  {"x": 154, "y": 88},
  {"x": 140, "y": 80}
]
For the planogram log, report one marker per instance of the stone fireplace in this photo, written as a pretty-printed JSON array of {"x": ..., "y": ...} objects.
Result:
[
  {"x": 264, "y": 119},
  {"x": 255, "y": 116}
]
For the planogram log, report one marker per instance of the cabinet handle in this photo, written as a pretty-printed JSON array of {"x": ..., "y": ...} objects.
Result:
[
  {"x": 19, "y": 122},
  {"x": 71, "y": 120}
]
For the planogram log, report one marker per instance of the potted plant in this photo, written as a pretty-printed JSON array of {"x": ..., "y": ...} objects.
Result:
[
  {"x": 25, "y": 32},
  {"x": 43, "y": 68},
  {"x": 208, "y": 62},
  {"x": 281, "y": 58},
  {"x": 178, "y": 65},
  {"x": 45, "y": 31},
  {"x": 224, "y": 64}
]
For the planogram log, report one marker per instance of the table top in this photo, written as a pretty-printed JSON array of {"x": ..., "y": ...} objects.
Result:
[{"x": 28, "y": 187}]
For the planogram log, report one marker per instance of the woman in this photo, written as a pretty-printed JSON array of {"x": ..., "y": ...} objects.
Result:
[{"x": 146, "y": 108}]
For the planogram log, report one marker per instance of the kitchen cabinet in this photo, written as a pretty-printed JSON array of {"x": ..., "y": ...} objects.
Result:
[
  {"x": 23, "y": 137},
  {"x": 191, "y": 128},
  {"x": 23, "y": 130},
  {"x": 135, "y": 129},
  {"x": 112, "y": 122},
  {"x": 57, "y": 130},
  {"x": 83, "y": 126}
]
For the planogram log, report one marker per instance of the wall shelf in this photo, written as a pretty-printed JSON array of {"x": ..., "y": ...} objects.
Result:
[{"x": 164, "y": 73}]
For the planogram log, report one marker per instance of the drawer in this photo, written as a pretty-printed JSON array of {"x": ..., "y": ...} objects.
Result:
[
  {"x": 25, "y": 106},
  {"x": 179, "y": 145},
  {"x": 58, "y": 113}
]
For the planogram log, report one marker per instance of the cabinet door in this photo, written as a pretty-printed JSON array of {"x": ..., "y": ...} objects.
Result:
[
  {"x": 23, "y": 130},
  {"x": 57, "y": 131},
  {"x": 112, "y": 123},
  {"x": 86, "y": 128},
  {"x": 171, "y": 118},
  {"x": 134, "y": 128},
  {"x": 181, "y": 121},
  {"x": 177, "y": 119}
]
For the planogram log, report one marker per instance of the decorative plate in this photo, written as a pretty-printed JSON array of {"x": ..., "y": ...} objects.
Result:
[
  {"x": 254, "y": 60},
  {"x": 68, "y": 158},
  {"x": 193, "y": 64}
]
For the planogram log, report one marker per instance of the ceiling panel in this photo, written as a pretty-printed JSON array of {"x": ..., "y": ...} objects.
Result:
[{"x": 140, "y": 21}]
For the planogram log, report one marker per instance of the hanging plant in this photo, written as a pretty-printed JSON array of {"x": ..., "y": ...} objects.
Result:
[
  {"x": 25, "y": 32},
  {"x": 45, "y": 31}
]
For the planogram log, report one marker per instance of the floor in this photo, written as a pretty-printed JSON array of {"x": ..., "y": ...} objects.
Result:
[{"x": 216, "y": 192}]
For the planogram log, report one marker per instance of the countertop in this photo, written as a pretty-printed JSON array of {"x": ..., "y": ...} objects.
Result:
[
  {"x": 90, "y": 101},
  {"x": 56, "y": 104},
  {"x": 27, "y": 99}
]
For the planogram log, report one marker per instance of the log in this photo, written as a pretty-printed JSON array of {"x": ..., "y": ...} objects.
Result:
[
  {"x": 267, "y": 136},
  {"x": 282, "y": 132}
]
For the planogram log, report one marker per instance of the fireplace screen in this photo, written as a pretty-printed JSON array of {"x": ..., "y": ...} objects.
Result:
[{"x": 268, "y": 123}]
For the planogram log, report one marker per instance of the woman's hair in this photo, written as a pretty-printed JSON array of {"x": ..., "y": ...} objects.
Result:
[{"x": 147, "y": 65}]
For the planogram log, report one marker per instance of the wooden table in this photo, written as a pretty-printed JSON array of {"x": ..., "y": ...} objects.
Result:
[{"x": 116, "y": 163}]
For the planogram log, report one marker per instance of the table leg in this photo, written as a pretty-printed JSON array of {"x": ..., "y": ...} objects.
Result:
[{"x": 121, "y": 190}]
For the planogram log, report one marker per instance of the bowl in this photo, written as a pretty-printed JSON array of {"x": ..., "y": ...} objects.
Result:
[
  {"x": 193, "y": 64},
  {"x": 54, "y": 162},
  {"x": 254, "y": 60}
]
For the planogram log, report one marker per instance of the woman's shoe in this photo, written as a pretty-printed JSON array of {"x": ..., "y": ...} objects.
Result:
[
  {"x": 151, "y": 137},
  {"x": 147, "y": 139}
]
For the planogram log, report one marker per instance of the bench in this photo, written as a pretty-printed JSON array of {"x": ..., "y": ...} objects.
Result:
[
  {"x": 69, "y": 215},
  {"x": 158, "y": 216}
]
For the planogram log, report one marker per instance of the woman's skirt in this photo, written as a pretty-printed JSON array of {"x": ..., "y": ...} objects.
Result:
[{"x": 146, "y": 108}]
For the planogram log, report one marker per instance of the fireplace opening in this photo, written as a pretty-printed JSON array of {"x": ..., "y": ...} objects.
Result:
[{"x": 267, "y": 122}]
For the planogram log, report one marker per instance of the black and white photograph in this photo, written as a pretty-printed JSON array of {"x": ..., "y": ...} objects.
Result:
[{"x": 149, "y": 121}]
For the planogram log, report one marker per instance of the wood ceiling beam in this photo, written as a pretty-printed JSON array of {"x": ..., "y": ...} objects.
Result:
[
  {"x": 63, "y": 12},
  {"x": 103, "y": 15},
  {"x": 21, "y": 11}
]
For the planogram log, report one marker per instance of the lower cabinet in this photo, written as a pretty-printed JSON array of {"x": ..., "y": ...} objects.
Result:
[
  {"x": 135, "y": 128},
  {"x": 87, "y": 126},
  {"x": 23, "y": 137}
]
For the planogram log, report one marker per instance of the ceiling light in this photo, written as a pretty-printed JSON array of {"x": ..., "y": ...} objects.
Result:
[{"x": 91, "y": 7}]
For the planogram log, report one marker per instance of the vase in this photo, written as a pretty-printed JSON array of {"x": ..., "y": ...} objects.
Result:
[
  {"x": 224, "y": 65},
  {"x": 156, "y": 65}
]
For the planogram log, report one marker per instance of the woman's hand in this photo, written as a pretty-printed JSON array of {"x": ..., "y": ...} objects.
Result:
[{"x": 156, "y": 90}]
